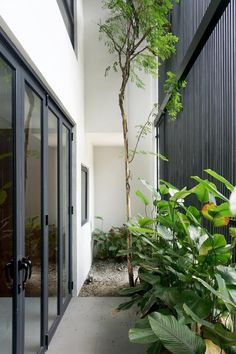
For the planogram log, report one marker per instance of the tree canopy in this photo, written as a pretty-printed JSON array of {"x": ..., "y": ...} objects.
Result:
[{"x": 138, "y": 32}]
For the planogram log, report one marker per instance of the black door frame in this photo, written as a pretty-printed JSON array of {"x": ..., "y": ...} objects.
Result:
[{"x": 24, "y": 74}]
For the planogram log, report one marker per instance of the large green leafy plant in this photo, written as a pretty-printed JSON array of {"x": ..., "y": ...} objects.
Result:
[{"x": 186, "y": 287}]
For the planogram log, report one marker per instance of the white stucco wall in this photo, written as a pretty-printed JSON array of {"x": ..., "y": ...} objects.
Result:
[
  {"x": 109, "y": 186},
  {"x": 38, "y": 31}
]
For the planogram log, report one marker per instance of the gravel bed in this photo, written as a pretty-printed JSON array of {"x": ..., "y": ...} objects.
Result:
[{"x": 106, "y": 278}]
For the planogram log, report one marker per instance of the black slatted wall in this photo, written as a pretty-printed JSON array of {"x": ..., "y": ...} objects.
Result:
[{"x": 204, "y": 134}]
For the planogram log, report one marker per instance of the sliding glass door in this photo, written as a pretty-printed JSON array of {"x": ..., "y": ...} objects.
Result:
[
  {"x": 35, "y": 211},
  {"x": 6, "y": 206},
  {"x": 33, "y": 223}
]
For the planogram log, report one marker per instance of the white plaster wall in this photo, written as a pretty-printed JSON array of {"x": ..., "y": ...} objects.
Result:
[
  {"x": 101, "y": 109},
  {"x": 38, "y": 31},
  {"x": 109, "y": 186}
]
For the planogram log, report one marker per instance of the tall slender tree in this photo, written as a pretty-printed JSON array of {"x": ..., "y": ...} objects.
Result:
[{"x": 138, "y": 33}]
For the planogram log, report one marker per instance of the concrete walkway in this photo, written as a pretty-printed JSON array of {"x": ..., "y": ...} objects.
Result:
[{"x": 91, "y": 326}]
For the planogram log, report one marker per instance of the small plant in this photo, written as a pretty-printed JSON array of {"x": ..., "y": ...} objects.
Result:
[
  {"x": 186, "y": 283},
  {"x": 110, "y": 243},
  {"x": 173, "y": 86}
]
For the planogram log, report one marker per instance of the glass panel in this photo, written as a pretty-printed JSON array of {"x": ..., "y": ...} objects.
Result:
[
  {"x": 84, "y": 196},
  {"x": 65, "y": 211},
  {"x": 6, "y": 205},
  {"x": 33, "y": 218},
  {"x": 52, "y": 216}
]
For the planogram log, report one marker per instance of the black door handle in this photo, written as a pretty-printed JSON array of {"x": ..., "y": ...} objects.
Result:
[
  {"x": 28, "y": 262},
  {"x": 25, "y": 264}
]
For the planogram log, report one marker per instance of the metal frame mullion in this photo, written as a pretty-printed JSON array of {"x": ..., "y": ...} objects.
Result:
[
  {"x": 70, "y": 214},
  {"x": 44, "y": 217},
  {"x": 19, "y": 215},
  {"x": 59, "y": 260}
]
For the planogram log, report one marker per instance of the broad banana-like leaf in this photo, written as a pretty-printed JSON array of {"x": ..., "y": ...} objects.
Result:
[
  {"x": 175, "y": 337},
  {"x": 142, "y": 335},
  {"x": 220, "y": 178},
  {"x": 210, "y": 187}
]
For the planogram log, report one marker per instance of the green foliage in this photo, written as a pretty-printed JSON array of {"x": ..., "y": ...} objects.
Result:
[
  {"x": 109, "y": 243},
  {"x": 138, "y": 31},
  {"x": 186, "y": 291},
  {"x": 173, "y": 86},
  {"x": 174, "y": 336}
]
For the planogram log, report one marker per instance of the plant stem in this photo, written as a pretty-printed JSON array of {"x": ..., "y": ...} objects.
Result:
[{"x": 125, "y": 78}]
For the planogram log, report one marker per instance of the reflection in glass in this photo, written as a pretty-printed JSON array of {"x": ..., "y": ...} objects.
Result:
[
  {"x": 65, "y": 212},
  {"x": 52, "y": 217},
  {"x": 33, "y": 218},
  {"x": 6, "y": 206}
]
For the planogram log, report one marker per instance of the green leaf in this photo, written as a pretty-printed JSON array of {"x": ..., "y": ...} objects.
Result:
[
  {"x": 210, "y": 187},
  {"x": 99, "y": 217},
  {"x": 133, "y": 290},
  {"x": 141, "y": 230},
  {"x": 148, "y": 305},
  {"x": 145, "y": 221},
  {"x": 148, "y": 185},
  {"x": 222, "y": 210},
  {"x": 228, "y": 274},
  {"x": 163, "y": 189},
  {"x": 216, "y": 332},
  {"x": 196, "y": 319},
  {"x": 142, "y": 198},
  {"x": 220, "y": 178},
  {"x": 232, "y": 231},
  {"x": 223, "y": 290},
  {"x": 146, "y": 240},
  {"x": 162, "y": 157},
  {"x": 142, "y": 335},
  {"x": 164, "y": 232},
  {"x": 179, "y": 195},
  {"x": 219, "y": 335},
  {"x": 215, "y": 247},
  {"x": 215, "y": 242},
  {"x": 128, "y": 304},
  {"x": 215, "y": 292},
  {"x": 201, "y": 193},
  {"x": 175, "y": 337},
  {"x": 155, "y": 348},
  {"x": 150, "y": 278}
]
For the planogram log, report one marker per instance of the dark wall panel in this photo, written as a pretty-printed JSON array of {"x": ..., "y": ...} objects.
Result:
[
  {"x": 185, "y": 20},
  {"x": 204, "y": 134}
]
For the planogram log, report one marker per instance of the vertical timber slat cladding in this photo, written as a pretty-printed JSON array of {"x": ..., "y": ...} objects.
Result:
[
  {"x": 204, "y": 134},
  {"x": 185, "y": 19}
]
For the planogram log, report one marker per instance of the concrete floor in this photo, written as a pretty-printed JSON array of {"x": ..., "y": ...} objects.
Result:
[{"x": 91, "y": 326}]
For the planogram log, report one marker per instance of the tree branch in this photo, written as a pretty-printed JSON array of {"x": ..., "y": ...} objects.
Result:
[
  {"x": 142, "y": 39},
  {"x": 139, "y": 52},
  {"x": 140, "y": 135},
  {"x": 117, "y": 47}
]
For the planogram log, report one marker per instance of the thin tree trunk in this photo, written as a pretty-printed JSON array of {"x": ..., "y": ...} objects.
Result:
[{"x": 127, "y": 177}]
